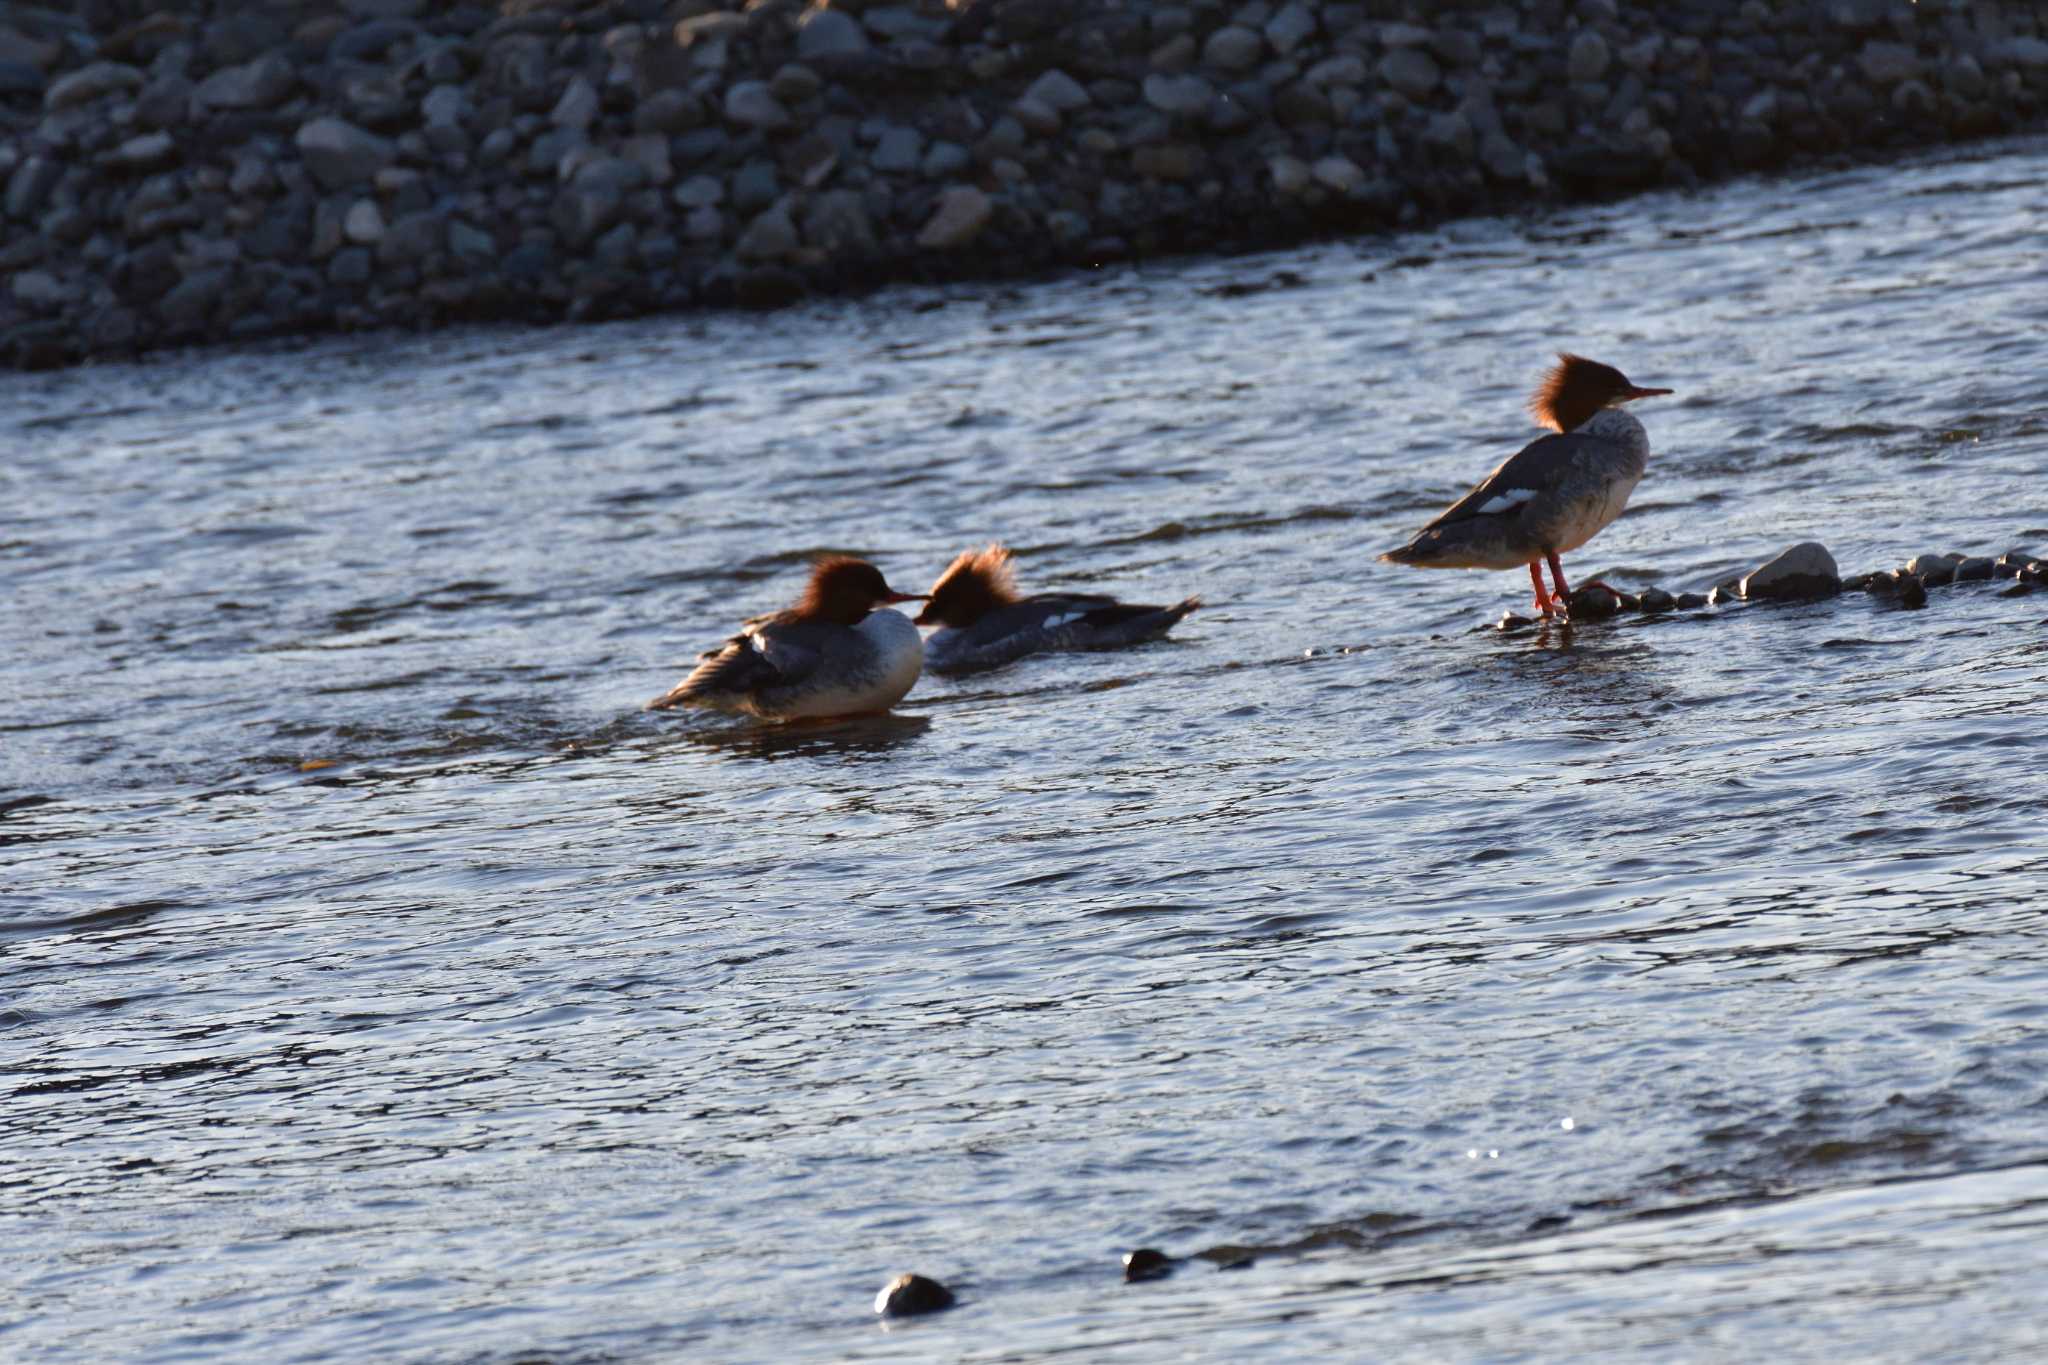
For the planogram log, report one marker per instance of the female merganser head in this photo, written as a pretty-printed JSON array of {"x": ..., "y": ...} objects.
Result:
[
  {"x": 1576, "y": 388},
  {"x": 843, "y": 590},
  {"x": 834, "y": 653},
  {"x": 984, "y": 621},
  {"x": 1554, "y": 494},
  {"x": 973, "y": 585}
]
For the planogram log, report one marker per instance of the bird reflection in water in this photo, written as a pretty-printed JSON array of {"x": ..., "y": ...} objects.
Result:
[{"x": 852, "y": 737}]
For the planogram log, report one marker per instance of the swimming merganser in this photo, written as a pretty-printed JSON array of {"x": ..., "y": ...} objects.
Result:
[
  {"x": 1556, "y": 493},
  {"x": 983, "y": 622},
  {"x": 832, "y": 654}
]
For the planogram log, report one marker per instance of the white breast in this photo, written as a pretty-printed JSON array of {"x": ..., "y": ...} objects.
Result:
[{"x": 896, "y": 658}]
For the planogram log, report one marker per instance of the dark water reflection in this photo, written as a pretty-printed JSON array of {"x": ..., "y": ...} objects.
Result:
[{"x": 382, "y": 983}]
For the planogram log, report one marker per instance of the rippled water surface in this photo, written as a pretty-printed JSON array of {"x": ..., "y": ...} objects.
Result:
[{"x": 1664, "y": 986}]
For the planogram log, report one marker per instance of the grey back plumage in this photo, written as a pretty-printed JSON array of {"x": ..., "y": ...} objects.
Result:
[{"x": 1050, "y": 621}]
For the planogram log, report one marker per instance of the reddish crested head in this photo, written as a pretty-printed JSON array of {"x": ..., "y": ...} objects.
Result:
[
  {"x": 973, "y": 585},
  {"x": 843, "y": 590},
  {"x": 1576, "y": 388}
]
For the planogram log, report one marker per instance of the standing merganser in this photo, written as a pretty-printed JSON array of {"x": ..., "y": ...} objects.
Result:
[
  {"x": 983, "y": 622},
  {"x": 832, "y": 654},
  {"x": 1553, "y": 495}
]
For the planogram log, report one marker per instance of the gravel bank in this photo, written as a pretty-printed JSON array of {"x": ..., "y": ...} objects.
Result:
[{"x": 191, "y": 172}]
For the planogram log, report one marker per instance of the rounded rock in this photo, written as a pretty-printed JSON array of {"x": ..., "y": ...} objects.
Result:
[
  {"x": 1806, "y": 570},
  {"x": 1411, "y": 71},
  {"x": 1589, "y": 57},
  {"x": 1146, "y": 1263},
  {"x": 909, "y": 1295}
]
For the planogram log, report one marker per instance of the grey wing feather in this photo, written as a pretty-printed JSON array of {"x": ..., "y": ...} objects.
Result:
[
  {"x": 1538, "y": 467},
  {"x": 773, "y": 654}
]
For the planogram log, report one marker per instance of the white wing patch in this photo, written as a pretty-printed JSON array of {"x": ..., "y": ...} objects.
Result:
[
  {"x": 1064, "y": 618},
  {"x": 1506, "y": 502}
]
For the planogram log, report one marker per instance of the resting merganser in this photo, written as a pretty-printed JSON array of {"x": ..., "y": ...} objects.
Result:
[
  {"x": 832, "y": 654},
  {"x": 983, "y": 622},
  {"x": 1553, "y": 495}
]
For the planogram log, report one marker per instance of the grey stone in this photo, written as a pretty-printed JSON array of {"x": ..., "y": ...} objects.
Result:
[
  {"x": 40, "y": 289},
  {"x": 149, "y": 152},
  {"x": 837, "y": 223},
  {"x": 88, "y": 83},
  {"x": 823, "y": 33},
  {"x": 1805, "y": 570},
  {"x": 1963, "y": 77},
  {"x": 412, "y": 238},
  {"x": 962, "y": 212},
  {"x": 164, "y": 102},
  {"x": 31, "y": 184},
  {"x": 2029, "y": 53},
  {"x": 471, "y": 243},
  {"x": 1035, "y": 117},
  {"x": 445, "y": 106},
  {"x": 1410, "y": 71},
  {"x": 649, "y": 151},
  {"x": 1455, "y": 46},
  {"x": 1589, "y": 56},
  {"x": 191, "y": 302},
  {"x": 262, "y": 84},
  {"x": 1181, "y": 96},
  {"x": 1059, "y": 92},
  {"x": 770, "y": 237},
  {"x": 1294, "y": 25},
  {"x": 1340, "y": 173},
  {"x": 364, "y": 224},
  {"x": 899, "y": 151},
  {"x": 947, "y": 158},
  {"x": 1888, "y": 64},
  {"x": 1449, "y": 134},
  {"x": 1344, "y": 69},
  {"x": 699, "y": 191},
  {"x": 1655, "y": 600},
  {"x": 1231, "y": 48},
  {"x": 1934, "y": 570},
  {"x": 755, "y": 186},
  {"x": 1974, "y": 569},
  {"x": 1291, "y": 175},
  {"x": 794, "y": 83},
  {"x": 595, "y": 198},
  {"x": 340, "y": 154},
  {"x": 751, "y": 104},
  {"x": 577, "y": 108},
  {"x": 669, "y": 111},
  {"x": 705, "y": 224},
  {"x": 1176, "y": 54}
]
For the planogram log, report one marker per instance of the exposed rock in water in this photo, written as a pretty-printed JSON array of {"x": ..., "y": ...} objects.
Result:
[
  {"x": 1146, "y": 1263},
  {"x": 1806, "y": 570},
  {"x": 1656, "y": 600},
  {"x": 909, "y": 1295},
  {"x": 1912, "y": 592}
]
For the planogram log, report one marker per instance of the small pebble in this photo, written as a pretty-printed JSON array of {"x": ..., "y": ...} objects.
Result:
[
  {"x": 1146, "y": 1263},
  {"x": 908, "y": 1295}
]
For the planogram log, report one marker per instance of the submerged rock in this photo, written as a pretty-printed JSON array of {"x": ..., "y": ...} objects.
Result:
[
  {"x": 1656, "y": 600},
  {"x": 1806, "y": 570},
  {"x": 1689, "y": 601},
  {"x": 1912, "y": 592},
  {"x": 1146, "y": 1263},
  {"x": 909, "y": 1295},
  {"x": 1594, "y": 602}
]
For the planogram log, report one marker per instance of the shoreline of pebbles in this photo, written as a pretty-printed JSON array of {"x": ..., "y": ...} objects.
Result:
[
  {"x": 210, "y": 171},
  {"x": 1806, "y": 572}
]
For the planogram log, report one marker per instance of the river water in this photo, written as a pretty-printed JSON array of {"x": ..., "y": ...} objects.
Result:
[{"x": 378, "y": 982}]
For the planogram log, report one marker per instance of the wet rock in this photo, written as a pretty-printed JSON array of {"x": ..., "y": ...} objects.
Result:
[
  {"x": 751, "y": 104},
  {"x": 2035, "y": 573},
  {"x": 1974, "y": 569},
  {"x": 89, "y": 83},
  {"x": 1059, "y": 92},
  {"x": 669, "y": 111},
  {"x": 1513, "y": 621},
  {"x": 1912, "y": 592},
  {"x": 262, "y": 84},
  {"x": 1411, "y": 71},
  {"x": 1231, "y": 48},
  {"x": 1806, "y": 570},
  {"x": 340, "y": 155},
  {"x": 1589, "y": 56},
  {"x": 770, "y": 237},
  {"x": 1689, "y": 601},
  {"x": 1934, "y": 570},
  {"x": 1881, "y": 584},
  {"x": 909, "y": 1295},
  {"x": 149, "y": 152},
  {"x": 962, "y": 212},
  {"x": 1593, "y": 602},
  {"x": 1655, "y": 600},
  {"x": 1294, "y": 25},
  {"x": 1724, "y": 593},
  {"x": 829, "y": 33},
  {"x": 411, "y": 238},
  {"x": 1181, "y": 96},
  {"x": 1146, "y": 1263}
]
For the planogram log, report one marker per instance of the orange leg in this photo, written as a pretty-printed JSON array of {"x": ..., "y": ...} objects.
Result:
[{"x": 1544, "y": 605}]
